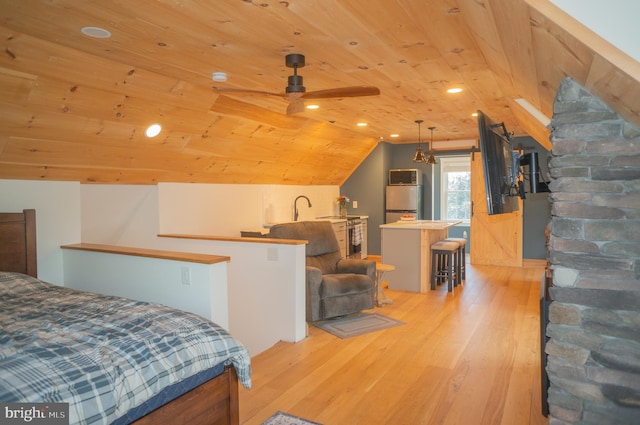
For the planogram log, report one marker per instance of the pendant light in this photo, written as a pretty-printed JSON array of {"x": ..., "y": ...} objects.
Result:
[
  {"x": 419, "y": 156},
  {"x": 431, "y": 160}
]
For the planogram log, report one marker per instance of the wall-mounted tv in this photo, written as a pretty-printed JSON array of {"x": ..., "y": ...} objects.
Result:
[{"x": 499, "y": 165}]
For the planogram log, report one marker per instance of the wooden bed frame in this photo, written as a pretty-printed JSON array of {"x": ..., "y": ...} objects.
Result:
[
  {"x": 18, "y": 242},
  {"x": 214, "y": 402}
]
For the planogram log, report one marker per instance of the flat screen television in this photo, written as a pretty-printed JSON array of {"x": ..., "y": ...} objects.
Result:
[{"x": 500, "y": 172}]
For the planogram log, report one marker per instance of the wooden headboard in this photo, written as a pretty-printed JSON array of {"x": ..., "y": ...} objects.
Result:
[{"x": 18, "y": 242}]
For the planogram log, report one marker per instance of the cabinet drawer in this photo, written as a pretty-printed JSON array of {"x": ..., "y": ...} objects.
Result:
[{"x": 340, "y": 229}]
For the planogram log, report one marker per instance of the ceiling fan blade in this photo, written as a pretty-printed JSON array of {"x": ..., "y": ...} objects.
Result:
[
  {"x": 295, "y": 106},
  {"x": 354, "y": 91},
  {"x": 232, "y": 91}
]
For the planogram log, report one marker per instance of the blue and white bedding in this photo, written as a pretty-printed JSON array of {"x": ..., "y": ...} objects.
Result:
[{"x": 103, "y": 355}]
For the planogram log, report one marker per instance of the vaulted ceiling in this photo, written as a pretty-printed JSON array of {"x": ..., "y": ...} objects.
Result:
[{"x": 73, "y": 107}]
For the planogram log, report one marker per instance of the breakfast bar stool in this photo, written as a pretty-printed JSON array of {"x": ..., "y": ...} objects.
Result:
[
  {"x": 461, "y": 258},
  {"x": 380, "y": 297},
  {"x": 443, "y": 255}
]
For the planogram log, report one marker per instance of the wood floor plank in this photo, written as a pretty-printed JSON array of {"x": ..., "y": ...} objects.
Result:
[{"x": 471, "y": 357}]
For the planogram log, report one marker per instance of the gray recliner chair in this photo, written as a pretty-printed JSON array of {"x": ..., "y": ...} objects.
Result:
[{"x": 335, "y": 286}]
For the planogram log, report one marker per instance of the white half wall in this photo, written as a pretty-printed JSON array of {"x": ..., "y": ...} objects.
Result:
[
  {"x": 152, "y": 280},
  {"x": 266, "y": 289}
]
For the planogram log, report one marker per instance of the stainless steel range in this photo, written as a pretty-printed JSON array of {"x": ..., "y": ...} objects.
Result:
[{"x": 355, "y": 236}]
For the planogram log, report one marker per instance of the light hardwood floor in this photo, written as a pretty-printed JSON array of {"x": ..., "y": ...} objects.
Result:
[{"x": 468, "y": 358}]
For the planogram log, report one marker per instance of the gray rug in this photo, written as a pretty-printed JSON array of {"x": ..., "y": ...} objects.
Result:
[
  {"x": 359, "y": 324},
  {"x": 281, "y": 418}
]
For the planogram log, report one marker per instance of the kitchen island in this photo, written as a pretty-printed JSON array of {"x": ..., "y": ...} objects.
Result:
[{"x": 407, "y": 246}]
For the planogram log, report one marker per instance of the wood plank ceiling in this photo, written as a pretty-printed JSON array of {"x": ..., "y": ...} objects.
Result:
[{"x": 74, "y": 107}]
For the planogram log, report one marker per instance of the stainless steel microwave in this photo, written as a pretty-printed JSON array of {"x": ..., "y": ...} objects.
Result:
[{"x": 405, "y": 176}]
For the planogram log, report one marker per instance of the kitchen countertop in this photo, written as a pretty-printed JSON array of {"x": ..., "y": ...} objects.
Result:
[
  {"x": 331, "y": 218},
  {"x": 338, "y": 218},
  {"x": 266, "y": 228},
  {"x": 420, "y": 224}
]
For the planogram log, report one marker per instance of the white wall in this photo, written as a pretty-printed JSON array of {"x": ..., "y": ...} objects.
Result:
[
  {"x": 226, "y": 209},
  {"x": 58, "y": 222},
  {"x": 119, "y": 214},
  {"x": 614, "y": 20}
]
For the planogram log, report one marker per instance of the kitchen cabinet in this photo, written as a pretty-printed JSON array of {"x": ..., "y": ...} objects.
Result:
[{"x": 340, "y": 228}]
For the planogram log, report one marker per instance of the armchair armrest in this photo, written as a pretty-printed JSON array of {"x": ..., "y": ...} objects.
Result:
[
  {"x": 367, "y": 267},
  {"x": 313, "y": 277}
]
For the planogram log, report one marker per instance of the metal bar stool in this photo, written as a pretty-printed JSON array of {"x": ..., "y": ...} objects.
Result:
[
  {"x": 461, "y": 258},
  {"x": 443, "y": 255}
]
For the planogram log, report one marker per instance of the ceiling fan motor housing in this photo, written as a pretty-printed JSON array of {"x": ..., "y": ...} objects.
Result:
[
  {"x": 295, "y": 61},
  {"x": 295, "y": 84}
]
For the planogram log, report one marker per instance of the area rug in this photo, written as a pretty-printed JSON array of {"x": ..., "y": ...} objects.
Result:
[
  {"x": 359, "y": 324},
  {"x": 281, "y": 418}
]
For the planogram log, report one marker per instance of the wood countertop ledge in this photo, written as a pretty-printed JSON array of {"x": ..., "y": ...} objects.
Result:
[
  {"x": 238, "y": 239},
  {"x": 151, "y": 253}
]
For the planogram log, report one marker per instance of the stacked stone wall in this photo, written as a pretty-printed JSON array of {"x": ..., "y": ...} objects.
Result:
[{"x": 594, "y": 251}]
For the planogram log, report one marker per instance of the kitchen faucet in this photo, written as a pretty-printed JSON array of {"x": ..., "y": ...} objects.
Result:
[{"x": 295, "y": 206}]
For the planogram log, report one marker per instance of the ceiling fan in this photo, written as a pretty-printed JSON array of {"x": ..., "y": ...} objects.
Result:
[{"x": 295, "y": 92}]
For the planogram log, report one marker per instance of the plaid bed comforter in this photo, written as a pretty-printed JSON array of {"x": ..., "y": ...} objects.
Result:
[{"x": 103, "y": 355}]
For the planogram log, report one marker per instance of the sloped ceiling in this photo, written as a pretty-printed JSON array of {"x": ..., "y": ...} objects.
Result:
[{"x": 74, "y": 107}]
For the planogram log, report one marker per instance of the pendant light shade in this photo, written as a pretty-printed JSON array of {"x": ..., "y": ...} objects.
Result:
[
  {"x": 431, "y": 160},
  {"x": 419, "y": 156}
]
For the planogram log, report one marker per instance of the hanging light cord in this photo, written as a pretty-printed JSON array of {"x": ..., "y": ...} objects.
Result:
[
  {"x": 431, "y": 145},
  {"x": 431, "y": 159}
]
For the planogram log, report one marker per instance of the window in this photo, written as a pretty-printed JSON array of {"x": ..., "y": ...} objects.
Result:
[{"x": 455, "y": 178}]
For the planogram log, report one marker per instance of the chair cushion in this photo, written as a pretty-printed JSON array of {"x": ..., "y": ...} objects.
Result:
[
  {"x": 322, "y": 239},
  {"x": 327, "y": 263},
  {"x": 445, "y": 246},
  {"x": 345, "y": 283},
  {"x": 322, "y": 249}
]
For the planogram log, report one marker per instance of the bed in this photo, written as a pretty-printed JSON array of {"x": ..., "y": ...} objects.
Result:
[{"x": 114, "y": 360}]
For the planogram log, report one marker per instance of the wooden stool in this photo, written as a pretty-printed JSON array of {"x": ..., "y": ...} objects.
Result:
[
  {"x": 442, "y": 263},
  {"x": 461, "y": 258},
  {"x": 380, "y": 297}
]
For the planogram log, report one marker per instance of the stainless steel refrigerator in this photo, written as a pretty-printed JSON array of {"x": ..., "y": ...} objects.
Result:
[{"x": 403, "y": 200}]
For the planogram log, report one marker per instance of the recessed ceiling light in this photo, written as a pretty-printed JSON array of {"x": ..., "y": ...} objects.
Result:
[
  {"x": 95, "y": 32},
  {"x": 454, "y": 90},
  {"x": 394, "y": 135},
  {"x": 219, "y": 76},
  {"x": 362, "y": 124},
  {"x": 153, "y": 130},
  {"x": 313, "y": 106},
  {"x": 475, "y": 114}
]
